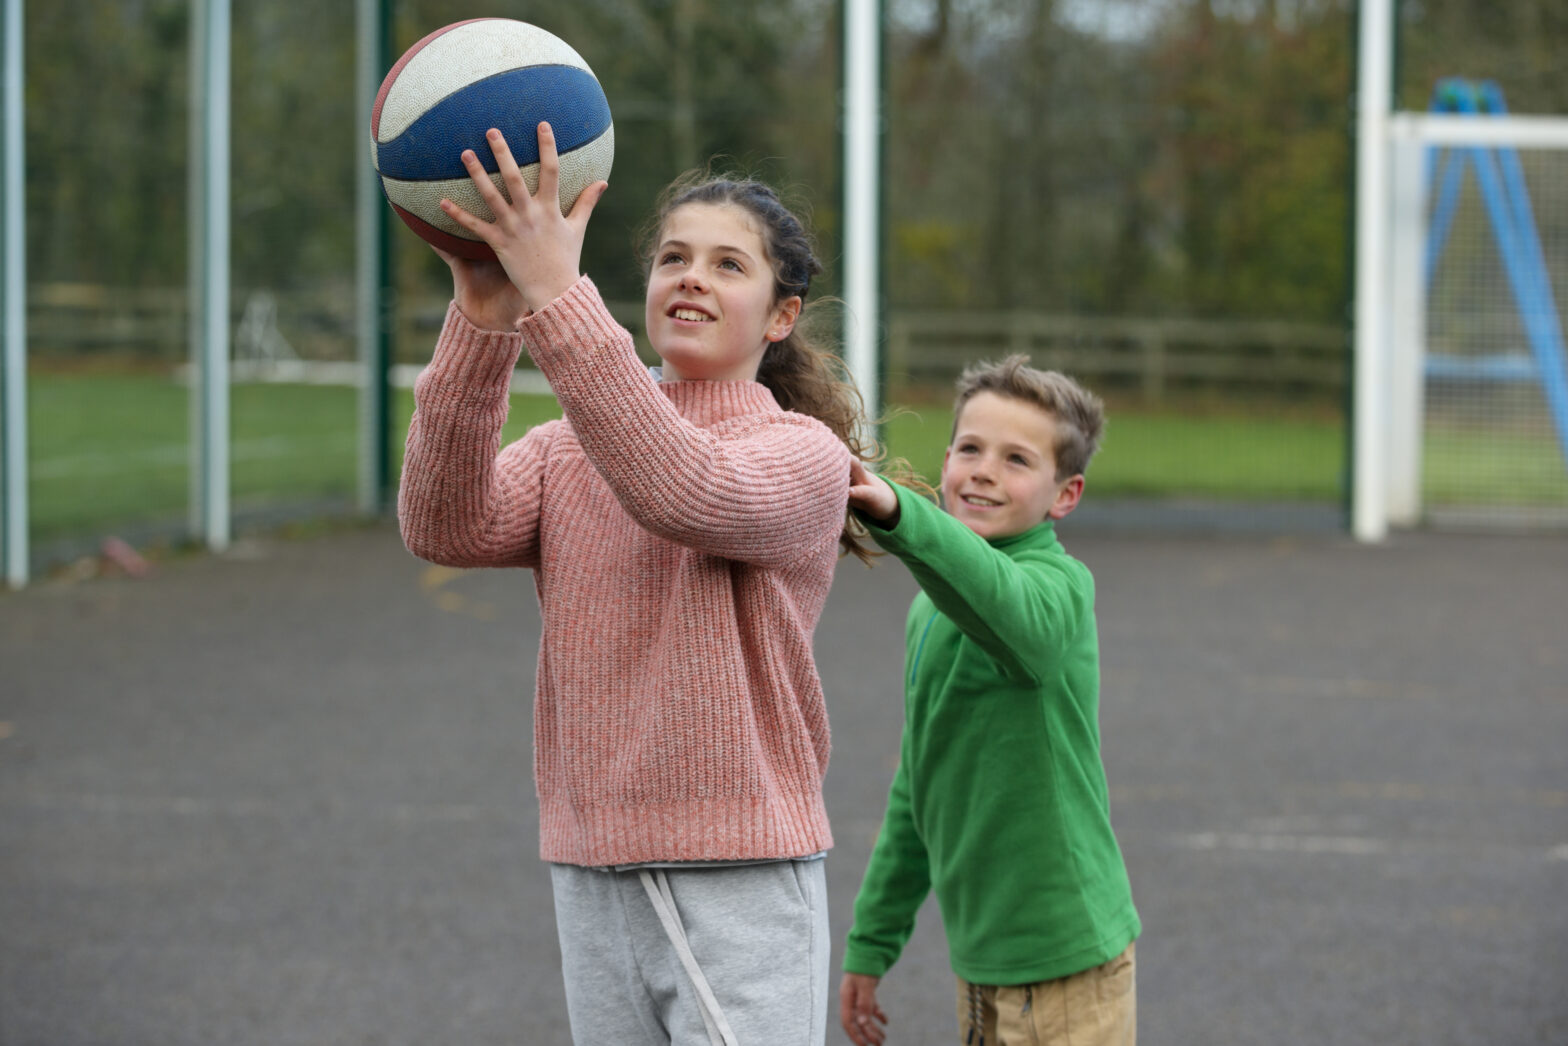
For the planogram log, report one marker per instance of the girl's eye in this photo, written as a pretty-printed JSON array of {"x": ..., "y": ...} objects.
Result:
[
  {"x": 730, "y": 263},
  {"x": 1018, "y": 459},
  {"x": 668, "y": 257}
]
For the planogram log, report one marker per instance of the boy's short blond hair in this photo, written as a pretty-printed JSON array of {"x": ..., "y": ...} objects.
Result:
[{"x": 1079, "y": 414}]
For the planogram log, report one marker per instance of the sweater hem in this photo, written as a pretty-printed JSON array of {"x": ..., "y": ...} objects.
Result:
[{"x": 691, "y": 830}]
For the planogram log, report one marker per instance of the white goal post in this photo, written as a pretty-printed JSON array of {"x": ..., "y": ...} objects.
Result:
[{"x": 1393, "y": 359}]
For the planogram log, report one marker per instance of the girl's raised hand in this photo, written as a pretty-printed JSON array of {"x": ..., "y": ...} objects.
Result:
[{"x": 539, "y": 248}]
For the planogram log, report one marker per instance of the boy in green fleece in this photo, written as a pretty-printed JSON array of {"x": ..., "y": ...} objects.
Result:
[{"x": 999, "y": 802}]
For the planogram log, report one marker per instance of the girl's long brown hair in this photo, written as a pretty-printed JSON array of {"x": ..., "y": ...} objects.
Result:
[{"x": 802, "y": 376}]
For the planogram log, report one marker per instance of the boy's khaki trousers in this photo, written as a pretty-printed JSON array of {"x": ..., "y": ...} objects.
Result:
[{"x": 1098, "y": 1007}]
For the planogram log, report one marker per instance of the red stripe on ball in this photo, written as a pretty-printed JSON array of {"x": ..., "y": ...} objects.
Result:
[{"x": 473, "y": 250}]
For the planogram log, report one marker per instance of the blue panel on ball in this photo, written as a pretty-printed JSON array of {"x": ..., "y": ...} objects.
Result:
[{"x": 514, "y": 102}]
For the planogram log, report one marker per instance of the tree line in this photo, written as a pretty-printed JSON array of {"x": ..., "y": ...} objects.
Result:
[{"x": 1175, "y": 158}]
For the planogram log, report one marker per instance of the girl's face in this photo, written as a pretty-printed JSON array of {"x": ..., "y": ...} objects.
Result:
[{"x": 710, "y": 310}]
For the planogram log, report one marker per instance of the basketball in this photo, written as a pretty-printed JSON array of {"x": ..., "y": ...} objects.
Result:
[{"x": 457, "y": 83}]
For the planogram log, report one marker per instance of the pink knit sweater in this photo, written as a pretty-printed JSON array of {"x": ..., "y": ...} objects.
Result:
[{"x": 683, "y": 537}]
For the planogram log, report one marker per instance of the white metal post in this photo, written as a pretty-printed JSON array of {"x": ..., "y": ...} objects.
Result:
[
  {"x": 1514, "y": 131},
  {"x": 13, "y": 306},
  {"x": 369, "y": 267},
  {"x": 862, "y": 202},
  {"x": 209, "y": 275},
  {"x": 1407, "y": 334},
  {"x": 1374, "y": 77}
]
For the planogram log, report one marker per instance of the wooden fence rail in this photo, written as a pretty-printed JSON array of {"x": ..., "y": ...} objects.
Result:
[
  {"x": 1147, "y": 355},
  {"x": 73, "y": 318}
]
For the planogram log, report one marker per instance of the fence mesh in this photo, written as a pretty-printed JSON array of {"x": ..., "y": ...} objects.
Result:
[
  {"x": 1121, "y": 201},
  {"x": 1495, "y": 451},
  {"x": 108, "y": 300}
]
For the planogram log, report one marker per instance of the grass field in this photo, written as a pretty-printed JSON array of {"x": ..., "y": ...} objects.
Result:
[
  {"x": 1168, "y": 454},
  {"x": 110, "y": 451}
]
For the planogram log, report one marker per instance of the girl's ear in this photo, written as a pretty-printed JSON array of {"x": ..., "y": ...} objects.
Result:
[{"x": 784, "y": 317}]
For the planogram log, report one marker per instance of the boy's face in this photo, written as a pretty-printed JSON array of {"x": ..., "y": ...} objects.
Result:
[{"x": 999, "y": 475}]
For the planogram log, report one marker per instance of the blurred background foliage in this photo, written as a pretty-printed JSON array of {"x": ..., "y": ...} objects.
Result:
[
  {"x": 1149, "y": 160},
  {"x": 1184, "y": 157}
]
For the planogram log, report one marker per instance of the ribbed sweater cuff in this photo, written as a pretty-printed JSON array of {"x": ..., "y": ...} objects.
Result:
[
  {"x": 576, "y": 342},
  {"x": 471, "y": 357},
  {"x": 604, "y": 389}
]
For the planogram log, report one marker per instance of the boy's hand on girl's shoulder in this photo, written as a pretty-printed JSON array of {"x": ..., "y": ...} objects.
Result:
[
  {"x": 871, "y": 494},
  {"x": 858, "y": 1010}
]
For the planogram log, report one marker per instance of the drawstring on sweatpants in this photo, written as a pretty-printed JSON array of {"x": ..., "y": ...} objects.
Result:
[
  {"x": 976, "y": 1018},
  {"x": 657, "y": 886}
]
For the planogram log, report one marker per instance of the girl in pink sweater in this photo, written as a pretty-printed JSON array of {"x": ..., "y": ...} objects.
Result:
[{"x": 683, "y": 534}]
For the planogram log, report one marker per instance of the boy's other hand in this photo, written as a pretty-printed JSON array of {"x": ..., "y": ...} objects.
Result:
[
  {"x": 858, "y": 1010},
  {"x": 871, "y": 494}
]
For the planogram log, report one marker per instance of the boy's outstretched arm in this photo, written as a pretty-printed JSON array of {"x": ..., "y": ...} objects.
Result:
[
  {"x": 1017, "y": 611},
  {"x": 858, "y": 1010}
]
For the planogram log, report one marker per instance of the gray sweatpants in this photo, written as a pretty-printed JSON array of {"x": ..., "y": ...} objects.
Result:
[{"x": 757, "y": 934}]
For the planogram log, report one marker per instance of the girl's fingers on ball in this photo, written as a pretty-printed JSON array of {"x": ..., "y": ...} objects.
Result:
[
  {"x": 481, "y": 179},
  {"x": 587, "y": 200},
  {"x": 507, "y": 163},
  {"x": 460, "y": 216},
  {"x": 549, "y": 164}
]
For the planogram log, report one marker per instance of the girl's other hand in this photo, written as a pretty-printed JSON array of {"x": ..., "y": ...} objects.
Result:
[
  {"x": 871, "y": 494},
  {"x": 539, "y": 248},
  {"x": 484, "y": 293}
]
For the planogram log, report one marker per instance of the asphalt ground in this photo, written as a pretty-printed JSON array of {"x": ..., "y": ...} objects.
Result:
[{"x": 284, "y": 796}]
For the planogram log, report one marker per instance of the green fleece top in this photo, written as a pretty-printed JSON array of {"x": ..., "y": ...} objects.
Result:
[{"x": 999, "y": 802}]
